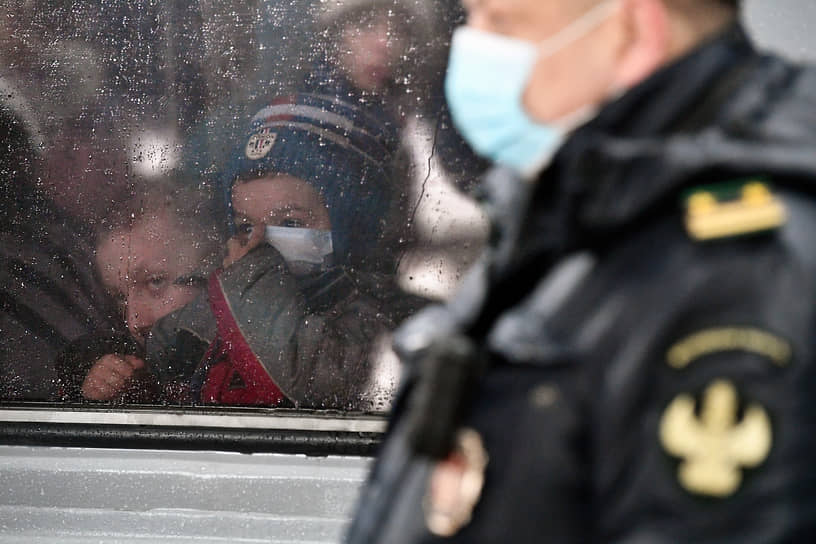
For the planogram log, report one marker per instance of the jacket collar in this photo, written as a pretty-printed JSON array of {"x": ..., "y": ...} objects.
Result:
[
  {"x": 659, "y": 104},
  {"x": 708, "y": 117}
]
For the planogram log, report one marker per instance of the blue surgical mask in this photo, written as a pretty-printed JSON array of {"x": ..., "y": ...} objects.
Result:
[
  {"x": 304, "y": 250},
  {"x": 486, "y": 79}
]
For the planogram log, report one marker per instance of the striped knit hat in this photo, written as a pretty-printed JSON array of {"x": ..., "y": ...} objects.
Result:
[{"x": 339, "y": 148}]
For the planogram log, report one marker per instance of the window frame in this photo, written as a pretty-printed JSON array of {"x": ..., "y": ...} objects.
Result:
[{"x": 228, "y": 429}]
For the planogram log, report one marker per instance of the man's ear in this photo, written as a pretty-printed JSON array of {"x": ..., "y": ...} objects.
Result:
[{"x": 646, "y": 41}]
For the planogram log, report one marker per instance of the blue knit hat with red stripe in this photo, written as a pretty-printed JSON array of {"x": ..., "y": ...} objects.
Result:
[{"x": 341, "y": 149}]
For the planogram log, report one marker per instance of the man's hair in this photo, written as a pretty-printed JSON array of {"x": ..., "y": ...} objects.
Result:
[
  {"x": 688, "y": 5},
  {"x": 708, "y": 16}
]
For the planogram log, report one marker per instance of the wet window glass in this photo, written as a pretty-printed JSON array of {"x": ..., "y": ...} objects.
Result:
[{"x": 225, "y": 203}]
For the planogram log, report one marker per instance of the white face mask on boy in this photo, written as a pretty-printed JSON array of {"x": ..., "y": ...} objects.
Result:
[{"x": 304, "y": 250}]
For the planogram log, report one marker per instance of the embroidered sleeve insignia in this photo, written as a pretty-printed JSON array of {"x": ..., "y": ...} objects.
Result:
[
  {"x": 721, "y": 339},
  {"x": 715, "y": 446}
]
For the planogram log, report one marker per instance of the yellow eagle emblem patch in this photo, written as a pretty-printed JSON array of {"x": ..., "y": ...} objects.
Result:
[{"x": 715, "y": 446}]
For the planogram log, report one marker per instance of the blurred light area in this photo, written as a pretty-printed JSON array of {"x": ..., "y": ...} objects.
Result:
[
  {"x": 154, "y": 152},
  {"x": 785, "y": 26},
  {"x": 435, "y": 273},
  {"x": 449, "y": 226},
  {"x": 385, "y": 374},
  {"x": 444, "y": 213}
]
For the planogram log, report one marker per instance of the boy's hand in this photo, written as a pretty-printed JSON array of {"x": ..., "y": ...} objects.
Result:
[
  {"x": 241, "y": 244},
  {"x": 109, "y": 376}
]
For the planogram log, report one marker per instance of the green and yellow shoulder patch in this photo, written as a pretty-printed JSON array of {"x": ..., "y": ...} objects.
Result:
[{"x": 733, "y": 209}]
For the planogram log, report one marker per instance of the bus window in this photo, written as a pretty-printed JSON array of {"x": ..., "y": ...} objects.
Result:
[
  {"x": 225, "y": 204},
  {"x": 230, "y": 205}
]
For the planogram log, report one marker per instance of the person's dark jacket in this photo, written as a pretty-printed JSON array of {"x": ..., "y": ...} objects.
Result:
[
  {"x": 49, "y": 293},
  {"x": 627, "y": 362}
]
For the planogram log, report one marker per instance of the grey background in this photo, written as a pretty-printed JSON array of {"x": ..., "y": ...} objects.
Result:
[{"x": 784, "y": 25}]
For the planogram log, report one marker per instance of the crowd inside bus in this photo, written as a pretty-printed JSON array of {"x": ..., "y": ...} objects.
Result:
[{"x": 209, "y": 204}]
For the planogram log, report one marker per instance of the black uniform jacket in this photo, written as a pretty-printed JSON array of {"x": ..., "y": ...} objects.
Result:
[{"x": 642, "y": 385}]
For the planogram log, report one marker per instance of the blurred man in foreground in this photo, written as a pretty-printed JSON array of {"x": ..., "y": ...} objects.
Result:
[{"x": 633, "y": 359}]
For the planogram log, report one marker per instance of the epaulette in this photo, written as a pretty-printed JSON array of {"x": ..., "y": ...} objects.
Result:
[{"x": 733, "y": 209}]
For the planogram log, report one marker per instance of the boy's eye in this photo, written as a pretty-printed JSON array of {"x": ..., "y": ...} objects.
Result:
[
  {"x": 244, "y": 230},
  {"x": 156, "y": 283},
  {"x": 292, "y": 222}
]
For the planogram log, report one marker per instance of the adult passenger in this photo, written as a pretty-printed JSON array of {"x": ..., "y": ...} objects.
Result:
[
  {"x": 49, "y": 292},
  {"x": 634, "y": 362}
]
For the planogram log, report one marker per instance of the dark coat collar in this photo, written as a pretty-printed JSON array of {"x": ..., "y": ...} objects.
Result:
[
  {"x": 719, "y": 113},
  {"x": 722, "y": 112}
]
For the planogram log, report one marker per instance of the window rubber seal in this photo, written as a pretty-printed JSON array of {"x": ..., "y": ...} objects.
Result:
[{"x": 244, "y": 430}]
